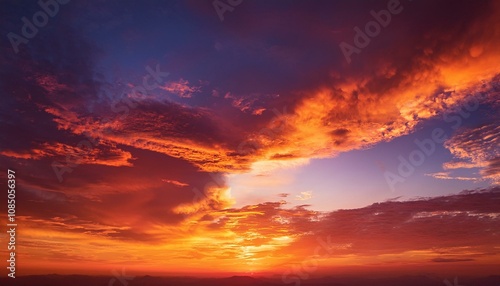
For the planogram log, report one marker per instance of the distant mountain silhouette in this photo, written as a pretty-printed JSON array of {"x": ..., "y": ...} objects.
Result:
[{"x": 82, "y": 280}]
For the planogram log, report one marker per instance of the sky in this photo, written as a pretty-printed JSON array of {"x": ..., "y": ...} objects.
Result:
[{"x": 215, "y": 138}]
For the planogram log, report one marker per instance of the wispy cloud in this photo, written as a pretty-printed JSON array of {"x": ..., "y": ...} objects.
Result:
[
  {"x": 181, "y": 88},
  {"x": 475, "y": 148}
]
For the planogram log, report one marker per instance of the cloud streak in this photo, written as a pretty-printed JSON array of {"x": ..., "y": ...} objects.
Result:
[{"x": 247, "y": 97}]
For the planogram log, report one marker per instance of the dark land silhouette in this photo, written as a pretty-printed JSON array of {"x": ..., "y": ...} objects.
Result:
[{"x": 83, "y": 280}]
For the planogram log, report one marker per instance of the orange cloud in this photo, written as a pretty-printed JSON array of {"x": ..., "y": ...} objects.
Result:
[
  {"x": 270, "y": 237},
  {"x": 447, "y": 176},
  {"x": 174, "y": 182},
  {"x": 133, "y": 216},
  {"x": 102, "y": 154},
  {"x": 476, "y": 148},
  {"x": 181, "y": 88},
  {"x": 350, "y": 109}
]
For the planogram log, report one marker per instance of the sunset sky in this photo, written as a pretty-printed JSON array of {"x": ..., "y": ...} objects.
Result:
[{"x": 200, "y": 138}]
